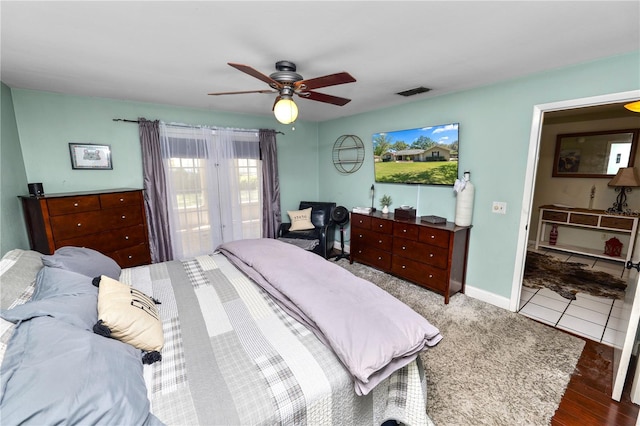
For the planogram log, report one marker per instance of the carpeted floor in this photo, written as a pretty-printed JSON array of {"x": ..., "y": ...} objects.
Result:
[
  {"x": 493, "y": 366},
  {"x": 569, "y": 278}
]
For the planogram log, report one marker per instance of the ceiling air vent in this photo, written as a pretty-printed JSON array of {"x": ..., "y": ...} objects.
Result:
[{"x": 412, "y": 92}]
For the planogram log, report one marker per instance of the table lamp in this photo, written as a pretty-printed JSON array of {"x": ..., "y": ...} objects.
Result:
[
  {"x": 373, "y": 209},
  {"x": 623, "y": 181}
]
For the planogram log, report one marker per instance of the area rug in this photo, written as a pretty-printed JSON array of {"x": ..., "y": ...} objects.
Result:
[
  {"x": 569, "y": 278},
  {"x": 492, "y": 367}
]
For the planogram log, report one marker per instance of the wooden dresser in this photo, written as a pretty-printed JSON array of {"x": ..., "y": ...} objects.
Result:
[
  {"x": 432, "y": 256},
  {"x": 112, "y": 222}
]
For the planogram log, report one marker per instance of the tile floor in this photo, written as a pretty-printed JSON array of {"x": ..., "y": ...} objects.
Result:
[{"x": 595, "y": 318}]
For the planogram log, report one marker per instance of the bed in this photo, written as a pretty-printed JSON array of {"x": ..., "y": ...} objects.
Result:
[{"x": 233, "y": 352}]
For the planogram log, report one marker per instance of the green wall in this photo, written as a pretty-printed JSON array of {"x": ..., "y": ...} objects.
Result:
[
  {"x": 495, "y": 125},
  {"x": 48, "y": 122},
  {"x": 13, "y": 178}
]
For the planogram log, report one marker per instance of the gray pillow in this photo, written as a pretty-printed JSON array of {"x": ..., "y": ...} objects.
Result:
[
  {"x": 82, "y": 378},
  {"x": 84, "y": 261},
  {"x": 55, "y": 282},
  {"x": 65, "y": 295}
]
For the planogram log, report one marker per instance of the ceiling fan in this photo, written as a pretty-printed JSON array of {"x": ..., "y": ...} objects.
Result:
[{"x": 287, "y": 82}]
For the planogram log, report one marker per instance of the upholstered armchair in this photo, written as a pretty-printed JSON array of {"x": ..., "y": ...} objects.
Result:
[{"x": 323, "y": 230}]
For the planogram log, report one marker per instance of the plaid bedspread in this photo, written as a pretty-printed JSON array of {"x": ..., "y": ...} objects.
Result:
[
  {"x": 18, "y": 269},
  {"x": 232, "y": 356}
]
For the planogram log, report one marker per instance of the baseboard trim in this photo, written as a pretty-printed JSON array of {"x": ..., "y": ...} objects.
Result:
[
  {"x": 347, "y": 247},
  {"x": 485, "y": 296}
]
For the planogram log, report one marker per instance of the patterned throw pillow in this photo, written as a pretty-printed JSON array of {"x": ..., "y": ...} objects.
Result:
[
  {"x": 300, "y": 220},
  {"x": 127, "y": 314}
]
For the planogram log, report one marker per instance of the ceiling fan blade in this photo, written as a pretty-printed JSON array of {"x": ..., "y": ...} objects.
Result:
[
  {"x": 257, "y": 74},
  {"x": 243, "y": 92},
  {"x": 322, "y": 97},
  {"x": 325, "y": 81}
]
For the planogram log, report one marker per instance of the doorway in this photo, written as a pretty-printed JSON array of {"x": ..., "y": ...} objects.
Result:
[
  {"x": 592, "y": 312},
  {"x": 561, "y": 108},
  {"x": 623, "y": 348}
]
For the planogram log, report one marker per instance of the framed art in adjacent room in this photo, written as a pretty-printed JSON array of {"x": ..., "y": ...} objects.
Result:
[
  {"x": 89, "y": 156},
  {"x": 594, "y": 154}
]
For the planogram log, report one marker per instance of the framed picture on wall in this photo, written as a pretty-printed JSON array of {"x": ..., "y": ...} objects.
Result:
[
  {"x": 594, "y": 154},
  {"x": 89, "y": 156}
]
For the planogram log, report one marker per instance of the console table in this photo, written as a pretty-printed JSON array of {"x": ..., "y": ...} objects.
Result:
[
  {"x": 432, "y": 256},
  {"x": 598, "y": 220}
]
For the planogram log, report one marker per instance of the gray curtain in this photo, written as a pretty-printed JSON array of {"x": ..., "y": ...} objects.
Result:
[
  {"x": 155, "y": 194},
  {"x": 271, "y": 217}
]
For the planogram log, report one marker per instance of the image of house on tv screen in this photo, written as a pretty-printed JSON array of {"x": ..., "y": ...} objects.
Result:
[{"x": 423, "y": 156}]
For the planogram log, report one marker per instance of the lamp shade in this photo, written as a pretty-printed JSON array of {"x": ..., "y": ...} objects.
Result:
[
  {"x": 627, "y": 177},
  {"x": 633, "y": 106},
  {"x": 286, "y": 111}
]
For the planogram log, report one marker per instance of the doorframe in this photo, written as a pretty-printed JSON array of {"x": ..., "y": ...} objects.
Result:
[{"x": 531, "y": 170}]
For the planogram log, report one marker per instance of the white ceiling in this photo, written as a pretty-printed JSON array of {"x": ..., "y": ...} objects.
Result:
[{"x": 176, "y": 52}]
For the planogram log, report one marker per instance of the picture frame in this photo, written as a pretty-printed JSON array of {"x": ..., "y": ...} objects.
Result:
[
  {"x": 90, "y": 156},
  {"x": 594, "y": 154}
]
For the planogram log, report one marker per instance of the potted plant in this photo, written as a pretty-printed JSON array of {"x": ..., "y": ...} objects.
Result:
[{"x": 385, "y": 202}]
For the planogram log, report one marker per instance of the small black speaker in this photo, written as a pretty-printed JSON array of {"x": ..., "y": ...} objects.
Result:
[{"x": 35, "y": 189}]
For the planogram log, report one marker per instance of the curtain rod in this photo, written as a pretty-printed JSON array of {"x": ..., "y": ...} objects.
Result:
[{"x": 185, "y": 125}]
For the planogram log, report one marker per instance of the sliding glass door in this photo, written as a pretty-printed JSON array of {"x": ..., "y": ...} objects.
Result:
[{"x": 213, "y": 185}]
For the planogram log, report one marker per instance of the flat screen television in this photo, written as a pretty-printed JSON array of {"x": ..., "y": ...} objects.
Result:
[{"x": 422, "y": 156}]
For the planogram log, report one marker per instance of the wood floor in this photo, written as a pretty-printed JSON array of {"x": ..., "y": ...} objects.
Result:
[{"x": 587, "y": 400}]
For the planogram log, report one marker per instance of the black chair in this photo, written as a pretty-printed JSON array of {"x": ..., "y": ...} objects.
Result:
[{"x": 324, "y": 230}]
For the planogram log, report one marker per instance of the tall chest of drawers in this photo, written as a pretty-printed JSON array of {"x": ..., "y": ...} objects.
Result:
[
  {"x": 432, "y": 256},
  {"x": 112, "y": 222}
]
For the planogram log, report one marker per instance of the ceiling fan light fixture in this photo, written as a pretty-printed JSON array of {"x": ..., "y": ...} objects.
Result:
[
  {"x": 633, "y": 106},
  {"x": 288, "y": 83},
  {"x": 285, "y": 110}
]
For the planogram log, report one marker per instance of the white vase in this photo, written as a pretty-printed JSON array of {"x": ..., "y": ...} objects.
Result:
[
  {"x": 385, "y": 209},
  {"x": 464, "y": 203}
]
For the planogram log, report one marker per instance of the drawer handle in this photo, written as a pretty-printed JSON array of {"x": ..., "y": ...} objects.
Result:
[
  {"x": 79, "y": 224},
  {"x": 126, "y": 237},
  {"x": 124, "y": 217},
  {"x": 430, "y": 254},
  {"x": 433, "y": 236},
  {"x": 130, "y": 257},
  {"x": 359, "y": 251},
  {"x": 404, "y": 267},
  {"x": 359, "y": 235},
  {"x": 75, "y": 204},
  {"x": 404, "y": 248},
  {"x": 379, "y": 257},
  {"x": 379, "y": 241},
  {"x": 121, "y": 200},
  {"x": 404, "y": 230},
  {"x": 430, "y": 275},
  {"x": 380, "y": 226}
]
